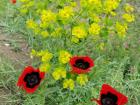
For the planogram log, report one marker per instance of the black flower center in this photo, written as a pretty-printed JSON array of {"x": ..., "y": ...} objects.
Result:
[
  {"x": 80, "y": 63},
  {"x": 109, "y": 99},
  {"x": 32, "y": 79}
]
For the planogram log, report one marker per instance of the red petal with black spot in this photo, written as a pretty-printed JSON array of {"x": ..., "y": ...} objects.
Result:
[
  {"x": 30, "y": 79},
  {"x": 81, "y": 65},
  {"x": 110, "y": 96}
]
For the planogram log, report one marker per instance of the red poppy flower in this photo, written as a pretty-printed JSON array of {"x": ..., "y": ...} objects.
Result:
[
  {"x": 81, "y": 65},
  {"x": 30, "y": 79},
  {"x": 13, "y": 1},
  {"x": 110, "y": 96}
]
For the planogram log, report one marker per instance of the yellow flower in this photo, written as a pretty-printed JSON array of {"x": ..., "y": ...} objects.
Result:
[
  {"x": 59, "y": 73},
  {"x": 31, "y": 24},
  {"x": 23, "y": 11},
  {"x": 73, "y": 4},
  {"x": 44, "y": 34},
  {"x": 121, "y": 29},
  {"x": 68, "y": 83},
  {"x": 47, "y": 56},
  {"x": 128, "y": 17},
  {"x": 94, "y": 29},
  {"x": 36, "y": 30},
  {"x": 110, "y": 5},
  {"x": 33, "y": 53},
  {"x": 79, "y": 32},
  {"x": 40, "y": 53},
  {"x": 128, "y": 8},
  {"x": 95, "y": 3},
  {"x": 48, "y": 16},
  {"x": 44, "y": 24},
  {"x": 23, "y": 1},
  {"x": 44, "y": 67},
  {"x": 91, "y": 4},
  {"x": 82, "y": 79},
  {"x": 64, "y": 57},
  {"x": 66, "y": 12}
]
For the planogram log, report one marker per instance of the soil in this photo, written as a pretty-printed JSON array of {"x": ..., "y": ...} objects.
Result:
[{"x": 14, "y": 48}]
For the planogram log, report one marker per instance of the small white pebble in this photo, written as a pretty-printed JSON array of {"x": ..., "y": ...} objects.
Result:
[{"x": 7, "y": 44}]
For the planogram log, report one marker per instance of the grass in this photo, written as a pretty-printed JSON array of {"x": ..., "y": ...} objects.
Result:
[{"x": 119, "y": 66}]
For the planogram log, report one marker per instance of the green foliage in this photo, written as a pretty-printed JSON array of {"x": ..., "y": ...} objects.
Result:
[{"x": 118, "y": 64}]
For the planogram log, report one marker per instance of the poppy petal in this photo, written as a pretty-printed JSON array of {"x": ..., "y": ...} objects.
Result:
[{"x": 122, "y": 99}]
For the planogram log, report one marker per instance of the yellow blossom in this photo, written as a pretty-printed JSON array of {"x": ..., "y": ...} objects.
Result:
[
  {"x": 128, "y": 17},
  {"x": 95, "y": 3},
  {"x": 44, "y": 34},
  {"x": 128, "y": 8},
  {"x": 31, "y": 24},
  {"x": 48, "y": 16},
  {"x": 47, "y": 56},
  {"x": 23, "y": 1},
  {"x": 66, "y": 12},
  {"x": 110, "y": 5},
  {"x": 82, "y": 79},
  {"x": 44, "y": 67},
  {"x": 36, "y": 30},
  {"x": 44, "y": 24},
  {"x": 79, "y": 32},
  {"x": 68, "y": 83},
  {"x": 64, "y": 57},
  {"x": 91, "y": 4},
  {"x": 59, "y": 73},
  {"x": 33, "y": 53},
  {"x": 94, "y": 29},
  {"x": 23, "y": 11},
  {"x": 121, "y": 29}
]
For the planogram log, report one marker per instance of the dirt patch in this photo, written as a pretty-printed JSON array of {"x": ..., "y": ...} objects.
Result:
[{"x": 15, "y": 48}]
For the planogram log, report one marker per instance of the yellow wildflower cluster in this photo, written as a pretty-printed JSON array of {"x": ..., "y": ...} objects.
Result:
[
  {"x": 47, "y": 16},
  {"x": 66, "y": 13},
  {"x": 79, "y": 32},
  {"x": 59, "y": 73},
  {"x": 94, "y": 29},
  {"x": 64, "y": 57},
  {"x": 45, "y": 58},
  {"x": 128, "y": 17},
  {"x": 82, "y": 79},
  {"x": 45, "y": 67},
  {"x": 128, "y": 8},
  {"x": 26, "y": 5},
  {"x": 31, "y": 24},
  {"x": 121, "y": 29},
  {"x": 110, "y": 5},
  {"x": 68, "y": 83}
]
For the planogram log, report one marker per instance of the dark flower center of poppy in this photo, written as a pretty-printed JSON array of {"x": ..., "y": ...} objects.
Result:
[
  {"x": 32, "y": 79},
  {"x": 80, "y": 63},
  {"x": 109, "y": 99}
]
